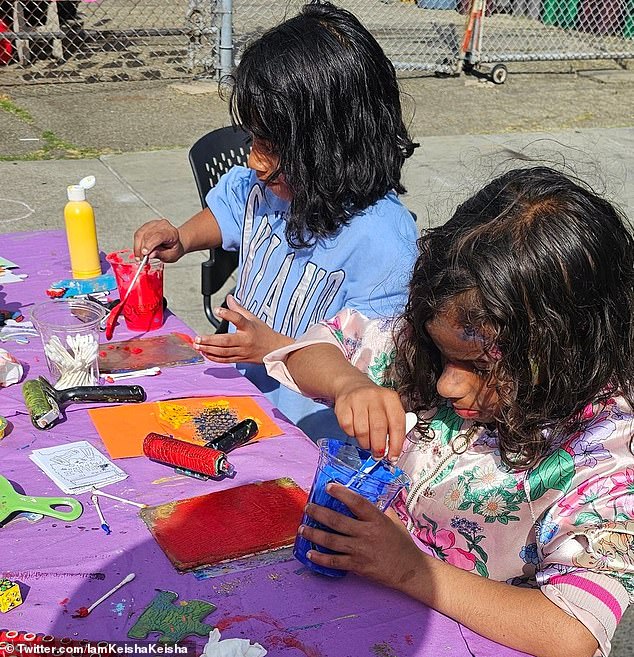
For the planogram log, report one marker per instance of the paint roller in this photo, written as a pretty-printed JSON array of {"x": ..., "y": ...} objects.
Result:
[
  {"x": 43, "y": 401},
  {"x": 192, "y": 460}
]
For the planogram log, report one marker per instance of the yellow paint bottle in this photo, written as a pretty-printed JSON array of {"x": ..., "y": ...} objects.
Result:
[{"x": 81, "y": 231}]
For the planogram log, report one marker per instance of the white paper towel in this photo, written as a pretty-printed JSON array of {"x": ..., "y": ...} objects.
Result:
[{"x": 231, "y": 647}]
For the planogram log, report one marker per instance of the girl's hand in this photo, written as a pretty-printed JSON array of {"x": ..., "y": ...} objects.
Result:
[
  {"x": 373, "y": 545},
  {"x": 369, "y": 413},
  {"x": 252, "y": 340},
  {"x": 160, "y": 239}
]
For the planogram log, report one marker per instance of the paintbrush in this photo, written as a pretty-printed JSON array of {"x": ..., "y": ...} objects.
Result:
[
  {"x": 112, "y": 318},
  {"x": 82, "y": 612},
  {"x": 43, "y": 401}
]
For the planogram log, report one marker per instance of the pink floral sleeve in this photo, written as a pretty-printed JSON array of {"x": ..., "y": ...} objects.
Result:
[
  {"x": 366, "y": 343},
  {"x": 585, "y": 540}
]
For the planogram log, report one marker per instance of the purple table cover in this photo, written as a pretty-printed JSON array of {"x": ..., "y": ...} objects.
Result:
[{"x": 63, "y": 566}]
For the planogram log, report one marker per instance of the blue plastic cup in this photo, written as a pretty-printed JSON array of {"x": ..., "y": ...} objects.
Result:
[{"x": 342, "y": 463}]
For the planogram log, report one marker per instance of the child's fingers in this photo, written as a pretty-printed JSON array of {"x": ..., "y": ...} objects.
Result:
[
  {"x": 396, "y": 432},
  {"x": 360, "y": 425},
  {"x": 339, "y": 561},
  {"x": 232, "y": 316},
  {"x": 378, "y": 432},
  {"x": 233, "y": 305},
  {"x": 221, "y": 340},
  {"x": 326, "y": 539},
  {"x": 336, "y": 521},
  {"x": 231, "y": 353},
  {"x": 360, "y": 507}
]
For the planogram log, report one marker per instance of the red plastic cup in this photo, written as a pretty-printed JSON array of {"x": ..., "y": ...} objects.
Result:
[{"x": 143, "y": 311}]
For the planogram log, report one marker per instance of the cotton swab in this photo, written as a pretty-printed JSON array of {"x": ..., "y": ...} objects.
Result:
[
  {"x": 104, "y": 525},
  {"x": 117, "y": 376},
  {"x": 82, "y": 612},
  {"x": 96, "y": 491}
]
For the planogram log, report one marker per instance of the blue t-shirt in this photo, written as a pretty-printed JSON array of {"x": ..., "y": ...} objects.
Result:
[{"x": 366, "y": 265}]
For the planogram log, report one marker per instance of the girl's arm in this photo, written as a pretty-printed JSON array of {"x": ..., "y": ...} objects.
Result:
[
  {"x": 363, "y": 409},
  {"x": 381, "y": 549},
  {"x": 163, "y": 240}
]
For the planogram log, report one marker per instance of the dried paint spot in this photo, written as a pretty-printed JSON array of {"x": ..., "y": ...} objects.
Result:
[
  {"x": 294, "y": 642},
  {"x": 165, "y": 511},
  {"x": 164, "y": 480},
  {"x": 383, "y": 650},
  {"x": 214, "y": 420},
  {"x": 226, "y": 588},
  {"x": 118, "y": 607},
  {"x": 174, "y": 414}
]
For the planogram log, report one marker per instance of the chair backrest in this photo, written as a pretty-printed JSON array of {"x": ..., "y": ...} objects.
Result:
[
  {"x": 210, "y": 157},
  {"x": 215, "y": 153}
]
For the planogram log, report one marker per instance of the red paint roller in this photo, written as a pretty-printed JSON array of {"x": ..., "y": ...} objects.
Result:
[{"x": 192, "y": 460}]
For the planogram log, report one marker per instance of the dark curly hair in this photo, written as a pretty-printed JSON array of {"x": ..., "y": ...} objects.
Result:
[
  {"x": 544, "y": 268},
  {"x": 320, "y": 90}
]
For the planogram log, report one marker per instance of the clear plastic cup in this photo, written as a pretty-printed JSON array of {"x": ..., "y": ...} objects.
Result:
[
  {"x": 342, "y": 463},
  {"x": 69, "y": 329},
  {"x": 143, "y": 311}
]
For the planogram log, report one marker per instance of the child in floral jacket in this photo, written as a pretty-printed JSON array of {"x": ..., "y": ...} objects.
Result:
[{"x": 516, "y": 351}]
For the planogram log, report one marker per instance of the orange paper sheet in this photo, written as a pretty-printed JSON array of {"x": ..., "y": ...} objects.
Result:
[{"x": 194, "y": 419}]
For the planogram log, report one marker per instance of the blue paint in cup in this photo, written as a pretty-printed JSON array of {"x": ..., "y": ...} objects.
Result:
[{"x": 343, "y": 463}]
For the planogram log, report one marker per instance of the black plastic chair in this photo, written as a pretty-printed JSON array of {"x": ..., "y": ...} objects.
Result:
[{"x": 210, "y": 157}]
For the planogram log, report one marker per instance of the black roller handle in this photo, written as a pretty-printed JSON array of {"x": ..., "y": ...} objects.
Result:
[
  {"x": 238, "y": 435},
  {"x": 108, "y": 394}
]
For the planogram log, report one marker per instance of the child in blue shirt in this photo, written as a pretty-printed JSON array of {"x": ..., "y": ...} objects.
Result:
[{"x": 315, "y": 216}]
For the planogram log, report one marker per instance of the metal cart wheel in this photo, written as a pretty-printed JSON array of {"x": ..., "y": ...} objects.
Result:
[{"x": 498, "y": 74}]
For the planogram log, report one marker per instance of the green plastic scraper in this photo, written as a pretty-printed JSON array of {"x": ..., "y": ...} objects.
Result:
[{"x": 12, "y": 502}]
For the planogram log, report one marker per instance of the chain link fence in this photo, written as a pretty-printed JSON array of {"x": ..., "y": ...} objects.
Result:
[
  {"x": 107, "y": 40},
  {"x": 117, "y": 40},
  {"x": 550, "y": 30}
]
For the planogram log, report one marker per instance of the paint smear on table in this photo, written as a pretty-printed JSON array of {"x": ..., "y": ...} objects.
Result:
[
  {"x": 227, "y": 524},
  {"x": 193, "y": 419}
]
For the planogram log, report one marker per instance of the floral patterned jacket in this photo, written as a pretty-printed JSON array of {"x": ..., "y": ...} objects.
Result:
[{"x": 566, "y": 526}]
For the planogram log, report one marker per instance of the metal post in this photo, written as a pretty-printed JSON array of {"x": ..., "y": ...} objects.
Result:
[{"x": 226, "y": 38}]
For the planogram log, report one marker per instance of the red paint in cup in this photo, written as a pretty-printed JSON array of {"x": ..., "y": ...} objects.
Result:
[{"x": 143, "y": 311}]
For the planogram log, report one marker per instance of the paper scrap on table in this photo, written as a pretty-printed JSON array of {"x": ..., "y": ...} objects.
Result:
[
  {"x": 10, "y": 369},
  {"x": 77, "y": 467},
  {"x": 5, "y": 263},
  {"x": 9, "y": 277},
  {"x": 216, "y": 647}
]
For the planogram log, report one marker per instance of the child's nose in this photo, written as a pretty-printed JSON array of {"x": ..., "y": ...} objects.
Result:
[{"x": 453, "y": 383}]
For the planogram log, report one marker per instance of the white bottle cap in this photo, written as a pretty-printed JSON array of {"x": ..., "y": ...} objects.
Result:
[
  {"x": 78, "y": 192},
  {"x": 88, "y": 182}
]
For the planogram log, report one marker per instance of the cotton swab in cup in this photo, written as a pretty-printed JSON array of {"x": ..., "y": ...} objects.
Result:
[{"x": 82, "y": 612}]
